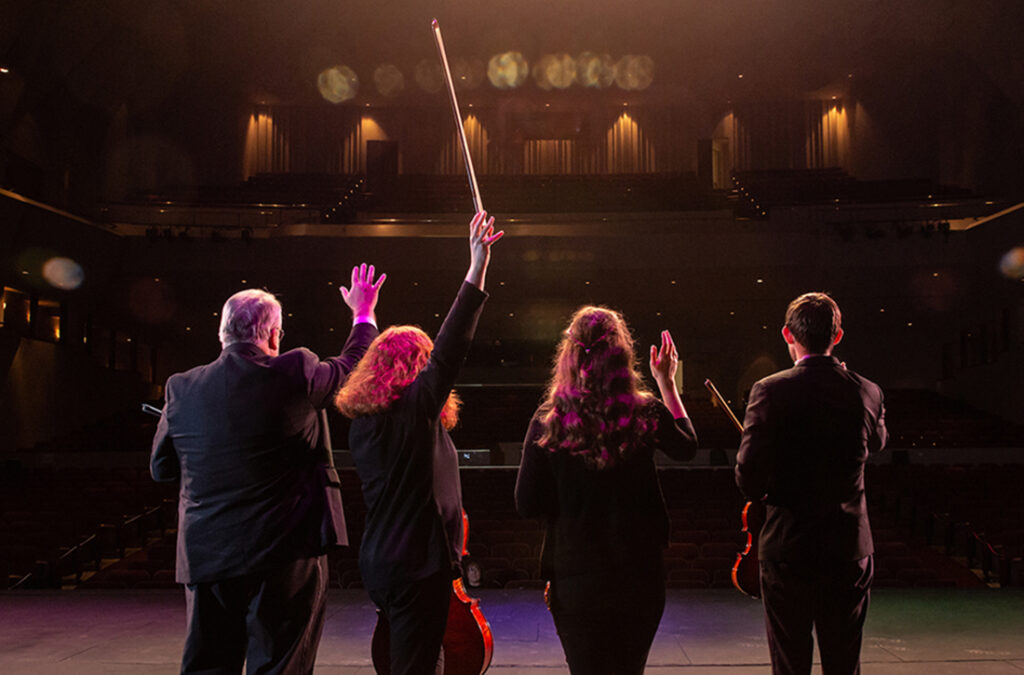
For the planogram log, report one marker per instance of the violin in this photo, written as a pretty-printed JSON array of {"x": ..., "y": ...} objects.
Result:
[
  {"x": 746, "y": 575},
  {"x": 468, "y": 643}
]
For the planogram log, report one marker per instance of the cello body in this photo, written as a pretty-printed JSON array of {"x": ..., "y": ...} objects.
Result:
[{"x": 468, "y": 643}]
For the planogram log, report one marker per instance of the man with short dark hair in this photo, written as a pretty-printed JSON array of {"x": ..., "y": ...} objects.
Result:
[
  {"x": 807, "y": 433},
  {"x": 243, "y": 434}
]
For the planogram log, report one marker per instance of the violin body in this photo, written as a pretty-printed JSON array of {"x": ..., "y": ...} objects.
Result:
[{"x": 746, "y": 573}]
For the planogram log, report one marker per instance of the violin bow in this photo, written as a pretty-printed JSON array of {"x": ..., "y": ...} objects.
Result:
[
  {"x": 463, "y": 142},
  {"x": 720, "y": 401}
]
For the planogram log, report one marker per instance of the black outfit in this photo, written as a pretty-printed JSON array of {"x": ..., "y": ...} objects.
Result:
[
  {"x": 605, "y": 533},
  {"x": 408, "y": 468},
  {"x": 243, "y": 436},
  {"x": 807, "y": 433}
]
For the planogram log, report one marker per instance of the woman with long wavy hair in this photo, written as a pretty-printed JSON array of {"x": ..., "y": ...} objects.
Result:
[
  {"x": 588, "y": 470},
  {"x": 401, "y": 403}
]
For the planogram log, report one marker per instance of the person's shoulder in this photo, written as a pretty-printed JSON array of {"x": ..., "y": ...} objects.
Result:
[
  {"x": 190, "y": 375},
  {"x": 864, "y": 382},
  {"x": 297, "y": 356},
  {"x": 777, "y": 378}
]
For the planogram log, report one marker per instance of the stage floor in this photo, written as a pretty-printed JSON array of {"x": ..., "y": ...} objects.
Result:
[{"x": 909, "y": 632}]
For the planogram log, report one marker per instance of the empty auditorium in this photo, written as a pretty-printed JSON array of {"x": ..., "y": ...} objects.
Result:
[{"x": 752, "y": 303}]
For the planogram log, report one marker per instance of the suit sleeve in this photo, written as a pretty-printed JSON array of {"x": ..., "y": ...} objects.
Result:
[
  {"x": 879, "y": 435},
  {"x": 675, "y": 437},
  {"x": 327, "y": 376},
  {"x": 436, "y": 380},
  {"x": 535, "y": 483},
  {"x": 163, "y": 459},
  {"x": 754, "y": 459}
]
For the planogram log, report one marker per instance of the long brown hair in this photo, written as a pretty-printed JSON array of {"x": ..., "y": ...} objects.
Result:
[
  {"x": 594, "y": 406},
  {"x": 390, "y": 364}
]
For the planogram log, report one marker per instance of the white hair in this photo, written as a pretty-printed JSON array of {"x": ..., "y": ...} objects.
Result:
[{"x": 249, "y": 316}]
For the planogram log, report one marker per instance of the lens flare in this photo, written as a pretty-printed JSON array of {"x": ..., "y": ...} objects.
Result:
[
  {"x": 634, "y": 73},
  {"x": 594, "y": 71},
  {"x": 555, "y": 71},
  {"x": 1012, "y": 263},
  {"x": 63, "y": 273},
  {"x": 338, "y": 84},
  {"x": 508, "y": 70},
  {"x": 389, "y": 80}
]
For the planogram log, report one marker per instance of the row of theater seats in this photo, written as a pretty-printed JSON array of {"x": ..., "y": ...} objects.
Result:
[
  {"x": 970, "y": 512},
  {"x": 57, "y": 526},
  {"x": 544, "y": 193},
  {"x": 931, "y": 524}
]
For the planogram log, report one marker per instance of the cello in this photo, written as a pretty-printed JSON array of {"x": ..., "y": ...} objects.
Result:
[
  {"x": 468, "y": 643},
  {"x": 746, "y": 576}
]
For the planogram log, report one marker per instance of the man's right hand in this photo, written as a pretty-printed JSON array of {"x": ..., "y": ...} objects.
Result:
[{"x": 362, "y": 297}]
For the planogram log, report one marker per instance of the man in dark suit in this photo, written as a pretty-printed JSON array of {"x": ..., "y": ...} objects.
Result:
[
  {"x": 243, "y": 436},
  {"x": 806, "y": 436}
]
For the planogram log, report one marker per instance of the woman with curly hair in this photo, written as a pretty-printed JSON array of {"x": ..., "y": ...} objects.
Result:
[
  {"x": 588, "y": 470},
  {"x": 401, "y": 404}
]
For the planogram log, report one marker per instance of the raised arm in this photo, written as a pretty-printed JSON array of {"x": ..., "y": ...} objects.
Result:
[{"x": 452, "y": 343}]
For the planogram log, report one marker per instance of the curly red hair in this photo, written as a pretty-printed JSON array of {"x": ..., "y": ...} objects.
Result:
[
  {"x": 596, "y": 404},
  {"x": 390, "y": 364}
]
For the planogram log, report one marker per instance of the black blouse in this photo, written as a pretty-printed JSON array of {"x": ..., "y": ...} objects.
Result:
[{"x": 600, "y": 520}]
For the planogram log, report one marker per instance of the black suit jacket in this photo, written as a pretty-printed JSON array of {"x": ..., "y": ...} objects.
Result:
[
  {"x": 408, "y": 466},
  {"x": 806, "y": 436},
  {"x": 243, "y": 436}
]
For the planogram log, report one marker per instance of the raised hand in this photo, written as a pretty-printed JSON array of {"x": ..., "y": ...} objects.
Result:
[
  {"x": 481, "y": 236},
  {"x": 664, "y": 363},
  {"x": 362, "y": 297}
]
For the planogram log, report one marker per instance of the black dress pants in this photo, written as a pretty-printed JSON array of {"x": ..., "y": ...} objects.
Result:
[
  {"x": 607, "y": 622},
  {"x": 832, "y": 597},
  {"x": 417, "y": 615},
  {"x": 271, "y": 621}
]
